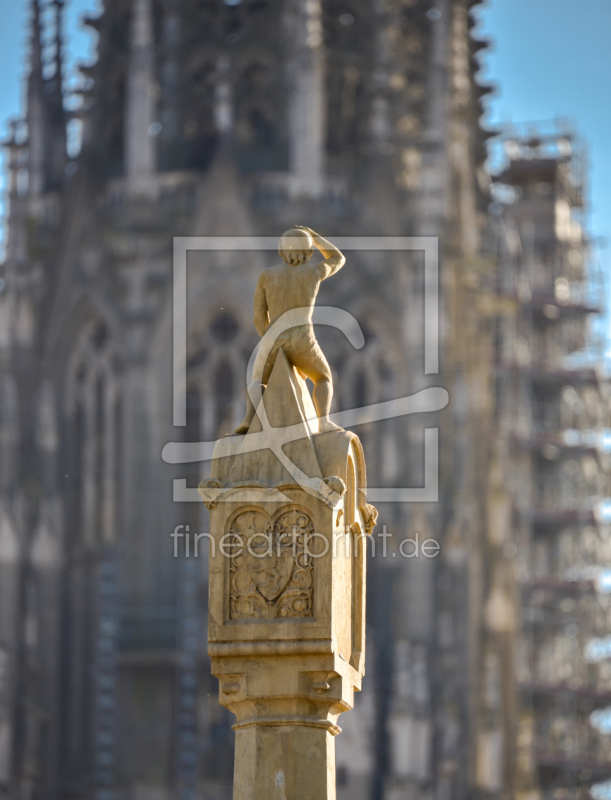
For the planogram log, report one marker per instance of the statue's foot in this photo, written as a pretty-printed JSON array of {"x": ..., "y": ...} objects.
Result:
[
  {"x": 242, "y": 429},
  {"x": 325, "y": 424}
]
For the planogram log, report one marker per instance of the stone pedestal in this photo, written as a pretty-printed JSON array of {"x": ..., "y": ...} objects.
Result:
[{"x": 289, "y": 520}]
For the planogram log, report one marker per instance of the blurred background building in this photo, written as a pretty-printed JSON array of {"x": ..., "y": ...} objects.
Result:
[
  {"x": 486, "y": 671},
  {"x": 552, "y": 421}
]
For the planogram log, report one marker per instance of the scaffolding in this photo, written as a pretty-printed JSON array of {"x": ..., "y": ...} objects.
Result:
[{"x": 553, "y": 405}]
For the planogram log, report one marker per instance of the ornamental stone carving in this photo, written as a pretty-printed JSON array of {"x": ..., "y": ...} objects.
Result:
[{"x": 271, "y": 566}]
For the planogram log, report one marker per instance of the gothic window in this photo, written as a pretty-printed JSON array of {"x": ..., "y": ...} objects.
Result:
[
  {"x": 94, "y": 418},
  {"x": 93, "y": 469},
  {"x": 256, "y": 134},
  {"x": 247, "y": 79},
  {"x": 224, "y": 327},
  {"x": 218, "y": 355},
  {"x": 367, "y": 378},
  {"x": 198, "y": 127},
  {"x": 349, "y": 53},
  {"x": 99, "y": 443}
]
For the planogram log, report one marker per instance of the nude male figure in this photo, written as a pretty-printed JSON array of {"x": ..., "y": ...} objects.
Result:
[{"x": 290, "y": 285}]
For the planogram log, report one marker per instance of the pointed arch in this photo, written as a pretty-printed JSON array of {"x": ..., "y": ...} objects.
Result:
[{"x": 94, "y": 433}]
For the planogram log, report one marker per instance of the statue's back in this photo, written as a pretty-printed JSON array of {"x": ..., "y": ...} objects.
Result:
[{"x": 287, "y": 287}]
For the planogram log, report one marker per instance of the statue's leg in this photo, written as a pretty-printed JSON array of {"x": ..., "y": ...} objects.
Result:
[
  {"x": 310, "y": 360},
  {"x": 250, "y": 412},
  {"x": 250, "y": 409},
  {"x": 322, "y": 396}
]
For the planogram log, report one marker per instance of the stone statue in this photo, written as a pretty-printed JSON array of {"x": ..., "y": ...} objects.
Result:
[
  {"x": 293, "y": 285},
  {"x": 289, "y": 521}
]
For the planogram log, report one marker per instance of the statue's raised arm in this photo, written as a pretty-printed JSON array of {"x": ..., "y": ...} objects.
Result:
[{"x": 334, "y": 258}]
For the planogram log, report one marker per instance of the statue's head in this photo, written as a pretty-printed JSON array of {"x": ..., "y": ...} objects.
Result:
[{"x": 296, "y": 246}]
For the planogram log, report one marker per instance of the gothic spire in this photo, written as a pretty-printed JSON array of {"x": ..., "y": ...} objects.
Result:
[
  {"x": 140, "y": 103},
  {"x": 36, "y": 44},
  {"x": 36, "y": 106},
  {"x": 46, "y": 118},
  {"x": 57, "y": 116},
  {"x": 59, "y": 46}
]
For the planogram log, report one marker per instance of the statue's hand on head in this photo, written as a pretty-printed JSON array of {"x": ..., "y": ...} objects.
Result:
[{"x": 316, "y": 237}]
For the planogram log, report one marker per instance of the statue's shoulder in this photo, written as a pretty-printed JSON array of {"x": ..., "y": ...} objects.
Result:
[
  {"x": 263, "y": 275},
  {"x": 270, "y": 272}
]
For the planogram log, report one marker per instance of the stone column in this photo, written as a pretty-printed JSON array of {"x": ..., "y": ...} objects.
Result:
[{"x": 287, "y": 590}]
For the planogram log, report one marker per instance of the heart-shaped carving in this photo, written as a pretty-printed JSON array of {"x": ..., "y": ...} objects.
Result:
[{"x": 272, "y": 575}]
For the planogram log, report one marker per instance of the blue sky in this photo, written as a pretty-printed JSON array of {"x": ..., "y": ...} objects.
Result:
[
  {"x": 14, "y": 15},
  {"x": 550, "y": 58}
]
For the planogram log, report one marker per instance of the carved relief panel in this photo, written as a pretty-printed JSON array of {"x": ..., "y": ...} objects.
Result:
[{"x": 271, "y": 567}]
